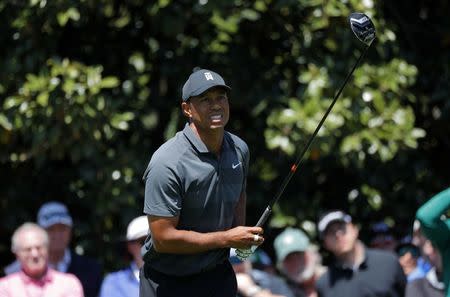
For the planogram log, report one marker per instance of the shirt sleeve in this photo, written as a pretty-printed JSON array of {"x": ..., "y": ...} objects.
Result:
[
  {"x": 430, "y": 216},
  {"x": 3, "y": 290},
  {"x": 108, "y": 288},
  {"x": 74, "y": 288},
  {"x": 162, "y": 190}
]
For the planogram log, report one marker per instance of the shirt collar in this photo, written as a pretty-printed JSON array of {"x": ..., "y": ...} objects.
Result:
[
  {"x": 48, "y": 277},
  {"x": 63, "y": 265},
  {"x": 196, "y": 142},
  {"x": 362, "y": 265},
  {"x": 134, "y": 271}
]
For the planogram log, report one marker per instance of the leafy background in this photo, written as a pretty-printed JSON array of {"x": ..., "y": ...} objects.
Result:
[{"x": 89, "y": 89}]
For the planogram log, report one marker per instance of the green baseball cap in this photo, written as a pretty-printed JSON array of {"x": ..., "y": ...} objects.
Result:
[{"x": 289, "y": 241}]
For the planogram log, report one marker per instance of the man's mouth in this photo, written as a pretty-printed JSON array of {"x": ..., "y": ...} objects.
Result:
[{"x": 216, "y": 118}]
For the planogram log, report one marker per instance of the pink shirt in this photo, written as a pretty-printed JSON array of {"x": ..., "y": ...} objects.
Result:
[{"x": 53, "y": 284}]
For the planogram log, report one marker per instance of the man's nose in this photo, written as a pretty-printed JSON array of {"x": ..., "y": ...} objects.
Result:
[
  {"x": 34, "y": 251},
  {"x": 215, "y": 103},
  {"x": 339, "y": 233}
]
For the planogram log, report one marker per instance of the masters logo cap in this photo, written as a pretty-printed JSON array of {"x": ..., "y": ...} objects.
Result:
[
  {"x": 200, "y": 81},
  {"x": 289, "y": 241}
]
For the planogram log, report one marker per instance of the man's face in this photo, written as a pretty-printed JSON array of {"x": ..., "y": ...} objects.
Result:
[
  {"x": 407, "y": 261},
  {"x": 134, "y": 248},
  {"x": 59, "y": 237},
  {"x": 340, "y": 238},
  {"x": 294, "y": 262},
  {"x": 32, "y": 253},
  {"x": 208, "y": 111}
]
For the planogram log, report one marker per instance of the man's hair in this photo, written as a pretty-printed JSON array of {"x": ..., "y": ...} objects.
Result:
[{"x": 15, "y": 239}]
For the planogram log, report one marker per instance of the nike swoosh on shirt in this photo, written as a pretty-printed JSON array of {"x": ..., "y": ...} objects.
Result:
[{"x": 235, "y": 165}]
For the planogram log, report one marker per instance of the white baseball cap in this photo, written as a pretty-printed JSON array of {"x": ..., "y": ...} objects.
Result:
[
  {"x": 137, "y": 228},
  {"x": 331, "y": 217}
]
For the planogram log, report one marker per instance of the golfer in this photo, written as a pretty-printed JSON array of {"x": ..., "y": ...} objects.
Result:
[{"x": 195, "y": 199}]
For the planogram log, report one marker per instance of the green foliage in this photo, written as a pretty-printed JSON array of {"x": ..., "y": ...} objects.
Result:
[{"x": 89, "y": 89}]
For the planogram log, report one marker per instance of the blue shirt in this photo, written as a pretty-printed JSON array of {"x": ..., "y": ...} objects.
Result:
[
  {"x": 122, "y": 283},
  {"x": 415, "y": 274}
]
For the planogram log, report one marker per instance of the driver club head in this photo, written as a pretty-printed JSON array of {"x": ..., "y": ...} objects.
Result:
[{"x": 362, "y": 27}]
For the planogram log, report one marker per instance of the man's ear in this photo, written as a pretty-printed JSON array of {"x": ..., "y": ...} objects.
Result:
[{"x": 186, "y": 108}]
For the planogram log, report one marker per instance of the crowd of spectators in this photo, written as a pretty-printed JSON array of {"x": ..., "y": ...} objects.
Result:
[{"x": 416, "y": 263}]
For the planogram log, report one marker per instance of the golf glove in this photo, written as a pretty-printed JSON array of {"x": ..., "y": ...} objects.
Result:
[{"x": 243, "y": 254}]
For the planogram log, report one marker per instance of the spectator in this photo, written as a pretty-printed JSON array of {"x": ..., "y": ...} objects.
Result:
[
  {"x": 382, "y": 237},
  {"x": 30, "y": 245},
  {"x": 55, "y": 218},
  {"x": 419, "y": 240},
  {"x": 257, "y": 283},
  {"x": 431, "y": 285},
  {"x": 260, "y": 260},
  {"x": 408, "y": 255},
  {"x": 125, "y": 282},
  {"x": 436, "y": 227},
  {"x": 298, "y": 261},
  {"x": 356, "y": 270}
]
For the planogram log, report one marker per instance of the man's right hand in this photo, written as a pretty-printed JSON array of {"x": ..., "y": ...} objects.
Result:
[{"x": 242, "y": 237}]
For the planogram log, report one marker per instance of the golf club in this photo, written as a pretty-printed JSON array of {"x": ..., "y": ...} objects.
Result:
[{"x": 364, "y": 30}]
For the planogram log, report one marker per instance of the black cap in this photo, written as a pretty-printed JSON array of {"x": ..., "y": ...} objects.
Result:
[
  {"x": 200, "y": 81},
  {"x": 408, "y": 247}
]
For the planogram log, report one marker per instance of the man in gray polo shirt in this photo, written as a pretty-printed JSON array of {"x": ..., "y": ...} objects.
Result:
[
  {"x": 195, "y": 199},
  {"x": 356, "y": 270}
]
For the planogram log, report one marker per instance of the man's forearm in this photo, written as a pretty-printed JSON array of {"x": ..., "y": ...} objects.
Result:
[{"x": 190, "y": 242}]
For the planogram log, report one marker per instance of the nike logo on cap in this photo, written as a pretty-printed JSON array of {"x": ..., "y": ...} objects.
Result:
[{"x": 235, "y": 165}]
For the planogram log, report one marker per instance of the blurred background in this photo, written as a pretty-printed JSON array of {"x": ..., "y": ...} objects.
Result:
[{"x": 90, "y": 88}]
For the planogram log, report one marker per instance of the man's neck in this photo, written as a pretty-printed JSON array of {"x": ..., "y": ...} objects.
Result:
[
  {"x": 139, "y": 262},
  {"x": 354, "y": 257},
  {"x": 409, "y": 266},
  {"x": 36, "y": 276},
  {"x": 212, "y": 138}
]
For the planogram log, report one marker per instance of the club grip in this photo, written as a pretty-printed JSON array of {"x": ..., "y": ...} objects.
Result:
[{"x": 264, "y": 217}]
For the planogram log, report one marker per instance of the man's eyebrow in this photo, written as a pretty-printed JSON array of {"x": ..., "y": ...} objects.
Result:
[
  {"x": 209, "y": 94},
  {"x": 203, "y": 96}
]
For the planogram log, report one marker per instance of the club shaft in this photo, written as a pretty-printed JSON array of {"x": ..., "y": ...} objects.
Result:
[{"x": 297, "y": 163}]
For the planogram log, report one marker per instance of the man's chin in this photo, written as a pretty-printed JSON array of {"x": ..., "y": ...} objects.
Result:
[
  {"x": 216, "y": 126},
  {"x": 35, "y": 271},
  {"x": 302, "y": 276}
]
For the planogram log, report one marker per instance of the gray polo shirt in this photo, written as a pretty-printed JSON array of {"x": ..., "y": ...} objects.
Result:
[
  {"x": 184, "y": 179},
  {"x": 380, "y": 274}
]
